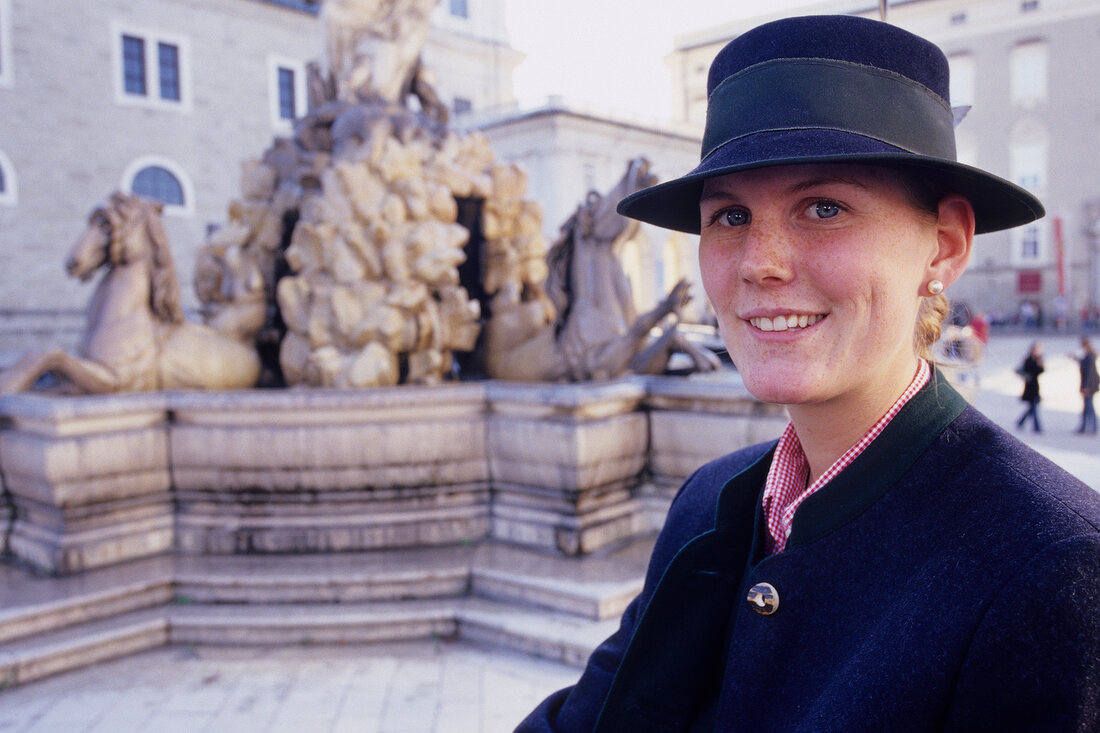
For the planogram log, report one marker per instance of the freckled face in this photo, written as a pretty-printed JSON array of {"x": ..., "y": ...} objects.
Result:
[{"x": 815, "y": 273}]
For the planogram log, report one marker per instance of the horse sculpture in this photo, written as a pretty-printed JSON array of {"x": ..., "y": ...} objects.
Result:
[
  {"x": 136, "y": 336},
  {"x": 584, "y": 325}
]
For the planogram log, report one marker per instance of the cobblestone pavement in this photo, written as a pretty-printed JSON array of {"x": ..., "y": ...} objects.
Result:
[{"x": 428, "y": 687}]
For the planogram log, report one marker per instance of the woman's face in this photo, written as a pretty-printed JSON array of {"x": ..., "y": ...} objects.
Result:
[{"x": 816, "y": 273}]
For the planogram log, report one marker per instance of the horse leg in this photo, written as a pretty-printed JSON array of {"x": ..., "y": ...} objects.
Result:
[{"x": 88, "y": 376}]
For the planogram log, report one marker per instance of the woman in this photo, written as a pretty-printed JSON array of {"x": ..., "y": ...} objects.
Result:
[
  {"x": 1030, "y": 371},
  {"x": 895, "y": 561},
  {"x": 1090, "y": 383}
]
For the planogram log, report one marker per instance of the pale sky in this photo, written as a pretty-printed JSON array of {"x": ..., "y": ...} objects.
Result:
[{"x": 610, "y": 53}]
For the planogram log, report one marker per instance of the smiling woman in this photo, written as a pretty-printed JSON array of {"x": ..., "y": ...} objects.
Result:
[{"x": 891, "y": 560}]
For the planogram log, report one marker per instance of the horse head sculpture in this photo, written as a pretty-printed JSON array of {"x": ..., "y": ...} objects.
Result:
[
  {"x": 136, "y": 337},
  {"x": 592, "y": 331}
]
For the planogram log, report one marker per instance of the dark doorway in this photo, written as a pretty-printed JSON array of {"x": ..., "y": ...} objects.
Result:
[{"x": 471, "y": 275}]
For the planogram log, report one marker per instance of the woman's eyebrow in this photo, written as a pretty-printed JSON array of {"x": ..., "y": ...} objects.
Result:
[
  {"x": 826, "y": 180},
  {"x": 718, "y": 196}
]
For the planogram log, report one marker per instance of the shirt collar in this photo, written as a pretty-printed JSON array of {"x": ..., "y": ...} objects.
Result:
[{"x": 786, "y": 486}]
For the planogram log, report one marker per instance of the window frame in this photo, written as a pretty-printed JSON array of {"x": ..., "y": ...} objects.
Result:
[
  {"x": 186, "y": 185},
  {"x": 9, "y": 195},
  {"x": 7, "y": 73},
  {"x": 165, "y": 172},
  {"x": 153, "y": 41},
  {"x": 963, "y": 78},
  {"x": 175, "y": 68},
  {"x": 1029, "y": 84},
  {"x": 1034, "y": 236},
  {"x": 301, "y": 101}
]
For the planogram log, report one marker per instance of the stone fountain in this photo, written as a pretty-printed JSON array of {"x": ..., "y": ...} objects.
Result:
[{"x": 376, "y": 254}]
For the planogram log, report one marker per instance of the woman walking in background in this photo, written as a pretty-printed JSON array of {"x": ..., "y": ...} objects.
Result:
[
  {"x": 1090, "y": 382},
  {"x": 1030, "y": 371}
]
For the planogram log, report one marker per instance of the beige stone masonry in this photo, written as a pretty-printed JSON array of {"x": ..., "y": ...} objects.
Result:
[{"x": 568, "y": 469}]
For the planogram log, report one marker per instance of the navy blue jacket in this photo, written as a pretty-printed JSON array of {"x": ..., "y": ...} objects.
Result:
[{"x": 948, "y": 580}]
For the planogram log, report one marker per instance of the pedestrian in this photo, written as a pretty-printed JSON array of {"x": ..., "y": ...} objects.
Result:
[
  {"x": 1090, "y": 383},
  {"x": 1030, "y": 370},
  {"x": 895, "y": 561}
]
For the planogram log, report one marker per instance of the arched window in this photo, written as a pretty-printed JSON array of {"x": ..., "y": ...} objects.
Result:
[{"x": 158, "y": 183}]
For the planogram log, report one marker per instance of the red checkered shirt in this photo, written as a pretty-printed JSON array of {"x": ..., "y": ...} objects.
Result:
[{"x": 786, "y": 488}]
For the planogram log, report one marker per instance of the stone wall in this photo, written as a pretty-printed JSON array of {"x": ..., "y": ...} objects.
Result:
[{"x": 569, "y": 469}]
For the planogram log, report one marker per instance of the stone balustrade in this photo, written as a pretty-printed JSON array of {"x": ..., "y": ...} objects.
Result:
[{"x": 569, "y": 469}]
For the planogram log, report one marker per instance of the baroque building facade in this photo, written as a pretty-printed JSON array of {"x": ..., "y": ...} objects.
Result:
[{"x": 1028, "y": 71}]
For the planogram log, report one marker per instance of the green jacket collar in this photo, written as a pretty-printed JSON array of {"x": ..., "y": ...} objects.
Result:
[{"x": 882, "y": 463}]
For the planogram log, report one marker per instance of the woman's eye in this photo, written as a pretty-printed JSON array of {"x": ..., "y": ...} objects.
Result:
[
  {"x": 824, "y": 209},
  {"x": 736, "y": 217}
]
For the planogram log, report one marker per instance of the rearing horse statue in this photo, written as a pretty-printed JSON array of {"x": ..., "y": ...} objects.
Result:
[
  {"x": 584, "y": 326},
  {"x": 136, "y": 336}
]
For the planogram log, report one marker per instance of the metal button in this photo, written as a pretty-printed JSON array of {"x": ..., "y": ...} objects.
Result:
[{"x": 764, "y": 599}]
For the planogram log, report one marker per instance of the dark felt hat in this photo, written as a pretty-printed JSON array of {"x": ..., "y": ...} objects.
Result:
[{"x": 831, "y": 89}]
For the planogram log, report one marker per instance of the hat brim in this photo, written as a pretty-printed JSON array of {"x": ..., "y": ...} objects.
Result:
[{"x": 998, "y": 204}]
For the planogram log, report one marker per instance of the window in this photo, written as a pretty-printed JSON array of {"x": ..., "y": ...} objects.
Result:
[
  {"x": 1028, "y": 155},
  {"x": 133, "y": 65},
  {"x": 158, "y": 183},
  {"x": 1028, "y": 64},
  {"x": 1029, "y": 244},
  {"x": 463, "y": 106},
  {"x": 287, "y": 108},
  {"x": 5, "y": 43},
  {"x": 1029, "y": 6},
  {"x": 7, "y": 181},
  {"x": 962, "y": 79},
  {"x": 168, "y": 62},
  {"x": 161, "y": 179},
  {"x": 459, "y": 9},
  {"x": 151, "y": 69},
  {"x": 286, "y": 91},
  {"x": 958, "y": 18}
]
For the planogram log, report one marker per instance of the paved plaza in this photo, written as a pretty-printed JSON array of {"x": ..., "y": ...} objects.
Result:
[{"x": 430, "y": 686}]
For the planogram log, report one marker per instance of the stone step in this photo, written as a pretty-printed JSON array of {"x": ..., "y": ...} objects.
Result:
[
  {"x": 593, "y": 587},
  {"x": 559, "y": 637},
  {"x": 550, "y": 606},
  {"x": 81, "y": 645},
  {"x": 33, "y": 604},
  {"x": 418, "y": 573},
  {"x": 552, "y": 635},
  {"x": 331, "y": 623}
]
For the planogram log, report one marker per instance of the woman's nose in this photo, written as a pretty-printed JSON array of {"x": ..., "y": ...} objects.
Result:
[{"x": 767, "y": 257}]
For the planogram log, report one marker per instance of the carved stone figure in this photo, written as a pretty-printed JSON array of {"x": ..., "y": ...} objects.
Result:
[
  {"x": 136, "y": 336},
  {"x": 583, "y": 325},
  {"x": 373, "y": 50},
  {"x": 354, "y": 228}
]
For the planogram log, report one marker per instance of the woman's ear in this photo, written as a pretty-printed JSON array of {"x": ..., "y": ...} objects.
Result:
[{"x": 955, "y": 238}]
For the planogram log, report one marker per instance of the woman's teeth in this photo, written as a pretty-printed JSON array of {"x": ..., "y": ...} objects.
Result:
[{"x": 785, "y": 323}]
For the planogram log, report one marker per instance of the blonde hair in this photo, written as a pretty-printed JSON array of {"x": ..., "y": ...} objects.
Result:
[{"x": 930, "y": 317}]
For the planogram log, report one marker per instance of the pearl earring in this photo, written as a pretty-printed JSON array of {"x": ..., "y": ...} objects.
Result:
[{"x": 935, "y": 287}]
